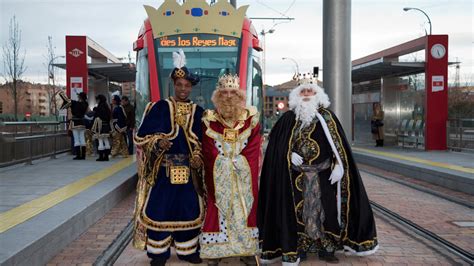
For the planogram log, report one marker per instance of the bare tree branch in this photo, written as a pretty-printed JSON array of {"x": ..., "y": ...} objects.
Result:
[{"x": 13, "y": 61}]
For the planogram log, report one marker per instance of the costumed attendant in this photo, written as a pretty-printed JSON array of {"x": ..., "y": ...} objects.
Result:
[
  {"x": 231, "y": 148},
  {"x": 168, "y": 209},
  {"x": 101, "y": 127},
  {"x": 377, "y": 125},
  {"x": 311, "y": 194},
  {"x": 78, "y": 110},
  {"x": 89, "y": 122},
  {"x": 119, "y": 130}
]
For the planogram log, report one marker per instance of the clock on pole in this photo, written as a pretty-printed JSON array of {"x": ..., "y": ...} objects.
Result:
[{"x": 438, "y": 51}]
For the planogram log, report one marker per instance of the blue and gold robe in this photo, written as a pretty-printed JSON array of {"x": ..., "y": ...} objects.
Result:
[{"x": 162, "y": 206}]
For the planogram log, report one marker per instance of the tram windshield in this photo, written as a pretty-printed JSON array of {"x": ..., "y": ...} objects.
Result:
[{"x": 208, "y": 62}]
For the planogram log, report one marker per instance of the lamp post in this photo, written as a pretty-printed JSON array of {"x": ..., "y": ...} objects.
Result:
[
  {"x": 414, "y": 8},
  {"x": 294, "y": 61},
  {"x": 264, "y": 63},
  {"x": 51, "y": 76},
  {"x": 264, "y": 33}
]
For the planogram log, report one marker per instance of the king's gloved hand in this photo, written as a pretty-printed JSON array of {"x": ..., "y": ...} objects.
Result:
[
  {"x": 336, "y": 174},
  {"x": 296, "y": 159},
  {"x": 165, "y": 144}
]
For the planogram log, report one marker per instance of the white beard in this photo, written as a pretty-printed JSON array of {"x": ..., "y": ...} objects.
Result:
[{"x": 306, "y": 110}]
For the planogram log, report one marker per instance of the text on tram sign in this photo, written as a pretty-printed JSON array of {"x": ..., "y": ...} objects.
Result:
[{"x": 198, "y": 41}]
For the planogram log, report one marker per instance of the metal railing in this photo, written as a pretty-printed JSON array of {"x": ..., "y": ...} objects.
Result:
[
  {"x": 460, "y": 134},
  {"x": 26, "y": 141}
]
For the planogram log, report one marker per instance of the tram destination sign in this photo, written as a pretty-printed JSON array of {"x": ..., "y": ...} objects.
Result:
[{"x": 199, "y": 40}]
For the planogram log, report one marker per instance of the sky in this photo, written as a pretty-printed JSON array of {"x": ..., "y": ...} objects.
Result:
[{"x": 114, "y": 24}]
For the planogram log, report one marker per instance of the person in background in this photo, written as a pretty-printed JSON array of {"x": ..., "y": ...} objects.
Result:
[
  {"x": 89, "y": 122},
  {"x": 119, "y": 130},
  {"x": 130, "y": 121},
  {"x": 78, "y": 110},
  {"x": 376, "y": 124},
  {"x": 101, "y": 127}
]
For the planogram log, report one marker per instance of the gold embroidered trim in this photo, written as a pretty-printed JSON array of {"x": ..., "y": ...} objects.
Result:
[
  {"x": 172, "y": 225},
  {"x": 160, "y": 244}
]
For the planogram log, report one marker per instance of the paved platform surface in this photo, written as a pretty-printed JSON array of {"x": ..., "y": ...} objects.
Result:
[
  {"x": 397, "y": 245},
  {"x": 45, "y": 206},
  {"x": 449, "y": 169},
  {"x": 457, "y": 161},
  {"x": 31, "y": 197}
]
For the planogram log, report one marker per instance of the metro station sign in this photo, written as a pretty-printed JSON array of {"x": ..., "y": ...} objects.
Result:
[
  {"x": 199, "y": 40},
  {"x": 76, "y": 52}
]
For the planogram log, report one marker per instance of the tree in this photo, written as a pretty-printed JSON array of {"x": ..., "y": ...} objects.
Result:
[
  {"x": 50, "y": 57},
  {"x": 13, "y": 61}
]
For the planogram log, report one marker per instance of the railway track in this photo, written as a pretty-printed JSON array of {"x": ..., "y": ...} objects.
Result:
[
  {"x": 110, "y": 255},
  {"x": 418, "y": 229},
  {"x": 425, "y": 233}
]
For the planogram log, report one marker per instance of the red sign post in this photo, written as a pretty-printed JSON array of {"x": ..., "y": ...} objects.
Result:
[
  {"x": 436, "y": 79},
  {"x": 76, "y": 65}
]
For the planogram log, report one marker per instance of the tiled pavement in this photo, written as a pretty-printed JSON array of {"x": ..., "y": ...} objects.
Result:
[
  {"x": 397, "y": 246},
  {"x": 90, "y": 245},
  {"x": 428, "y": 211}
]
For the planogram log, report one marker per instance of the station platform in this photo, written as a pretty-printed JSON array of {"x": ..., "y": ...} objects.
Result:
[
  {"x": 453, "y": 170},
  {"x": 47, "y": 205},
  {"x": 65, "y": 212}
]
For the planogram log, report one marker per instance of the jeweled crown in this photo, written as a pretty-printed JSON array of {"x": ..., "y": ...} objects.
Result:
[
  {"x": 305, "y": 78},
  {"x": 228, "y": 81}
]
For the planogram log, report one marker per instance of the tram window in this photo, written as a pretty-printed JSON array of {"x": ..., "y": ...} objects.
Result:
[
  {"x": 257, "y": 84},
  {"x": 142, "y": 84},
  {"x": 207, "y": 62}
]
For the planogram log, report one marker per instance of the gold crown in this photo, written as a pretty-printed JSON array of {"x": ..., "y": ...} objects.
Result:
[
  {"x": 305, "y": 78},
  {"x": 228, "y": 81},
  {"x": 196, "y": 16}
]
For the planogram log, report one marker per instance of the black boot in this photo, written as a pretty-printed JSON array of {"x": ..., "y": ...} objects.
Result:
[
  {"x": 83, "y": 152},
  {"x": 328, "y": 257},
  {"x": 158, "y": 262},
  {"x": 381, "y": 143},
  {"x": 377, "y": 143},
  {"x": 193, "y": 259},
  {"x": 101, "y": 156},
  {"x": 106, "y": 154},
  {"x": 77, "y": 149}
]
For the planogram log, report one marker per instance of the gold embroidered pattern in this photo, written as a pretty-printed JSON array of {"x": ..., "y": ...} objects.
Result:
[
  {"x": 182, "y": 112},
  {"x": 179, "y": 174},
  {"x": 230, "y": 135},
  {"x": 180, "y": 73},
  {"x": 160, "y": 244}
]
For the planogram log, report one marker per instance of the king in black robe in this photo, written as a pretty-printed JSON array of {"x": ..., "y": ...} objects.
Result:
[{"x": 300, "y": 212}]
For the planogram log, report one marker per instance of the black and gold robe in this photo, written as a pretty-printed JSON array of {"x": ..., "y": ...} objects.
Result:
[{"x": 349, "y": 221}]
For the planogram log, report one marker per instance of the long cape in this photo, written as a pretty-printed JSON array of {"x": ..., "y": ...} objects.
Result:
[{"x": 276, "y": 217}]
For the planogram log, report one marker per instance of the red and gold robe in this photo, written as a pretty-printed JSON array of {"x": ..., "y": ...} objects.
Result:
[{"x": 231, "y": 162}]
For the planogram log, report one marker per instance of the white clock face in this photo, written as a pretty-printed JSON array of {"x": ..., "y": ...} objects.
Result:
[{"x": 438, "y": 51}]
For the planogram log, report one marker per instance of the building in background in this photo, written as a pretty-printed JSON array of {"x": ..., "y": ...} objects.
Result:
[{"x": 33, "y": 100}]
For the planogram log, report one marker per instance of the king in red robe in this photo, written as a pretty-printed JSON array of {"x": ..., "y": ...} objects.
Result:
[{"x": 231, "y": 148}]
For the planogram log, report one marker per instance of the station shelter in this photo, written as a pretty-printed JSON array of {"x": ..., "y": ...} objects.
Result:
[
  {"x": 409, "y": 80},
  {"x": 92, "y": 69}
]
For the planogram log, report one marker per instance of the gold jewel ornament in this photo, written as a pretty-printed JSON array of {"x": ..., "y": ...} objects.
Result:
[
  {"x": 179, "y": 174},
  {"x": 228, "y": 81},
  {"x": 230, "y": 135},
  {"x": 306, "y": 78},
  {"x": 180, "y": 73},
  {"x": 182, "y": 110}
]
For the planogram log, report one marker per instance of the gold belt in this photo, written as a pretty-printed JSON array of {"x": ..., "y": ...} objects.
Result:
[{"x": 177, "y": 168}]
